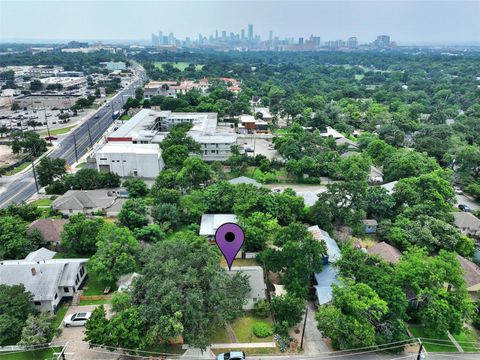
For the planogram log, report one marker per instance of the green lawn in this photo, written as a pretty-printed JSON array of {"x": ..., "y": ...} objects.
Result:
[
  {"x": 219, "y": 336},
  {"x": 60, "y": 315},
  {"x": 248, "y": 351},
  {"x": 30, "y": 355},
  {"x": 125, "y": 117},
  {"x": 94, "y": 302},
  {"x": 243, "y": 328},
  {"x": 59, "y": 131},
  {"x": 445, "y": 345},
  {"x": 42, "y": 202},
  {"x": 179, "y": 65},
  {"x": 468, "y": 340},
  {"x": 19, "y": 168},
  {"x": 95, "y": 287}
]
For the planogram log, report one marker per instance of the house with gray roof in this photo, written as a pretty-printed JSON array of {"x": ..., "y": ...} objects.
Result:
[
  {"x": 89, "y": 202},
  {"x": 375, "y": 175},
  {"x": 48, "y": 279},
  {"x": 329, "y": 274},
  {"x": 467, "y": 223},
  {"x": 385, "y": 251},
  {"x": 50, "y": 229},
  {"x": 256, "y": 281},
  {"x": 211, "y": 222},
  {"x": 471, "y": 274}
]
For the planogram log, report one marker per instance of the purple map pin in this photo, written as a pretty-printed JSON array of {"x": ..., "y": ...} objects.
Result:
[{"x": 229, "y": 238}]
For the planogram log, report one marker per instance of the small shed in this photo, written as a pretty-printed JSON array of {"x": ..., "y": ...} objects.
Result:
[{"x": 370, "y": 226}]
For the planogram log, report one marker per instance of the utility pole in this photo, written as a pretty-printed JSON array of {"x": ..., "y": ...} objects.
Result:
[
  {"x": 304, "y": 325},
  {"x": 46, "y": 122},
  {"x": 89, "y": 135},
  {"x": 420, "y": 355},
  {"x": 75, "y": 143},
  {"x": 32, "y": 157}
]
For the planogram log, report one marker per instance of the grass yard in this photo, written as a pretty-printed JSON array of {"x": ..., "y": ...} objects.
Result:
[
  {"x": 179, "y": 65},
  {"x": 95, "y": 287},
  {"x": 19, "y": 168},
  {"x": 444, "y": 345},
  {"x": 60, "y": 315},
  {"x": 59, "y": 131},
  {"x": 125, "y": 117},
  {"x": 468, "y": 340},
  {"x": 30, "y": 355},
  {"x": 219, "y": 336},
  {"x": 42, "y": 202},
  {"x": 243, "y": 328},
  {"x": 94, "y": 302}
]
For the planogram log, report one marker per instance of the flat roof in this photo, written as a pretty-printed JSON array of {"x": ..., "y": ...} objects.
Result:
[{"x": 122, "y": 148}]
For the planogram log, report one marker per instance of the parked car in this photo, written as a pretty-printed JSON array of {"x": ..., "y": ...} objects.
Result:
[
  {"x": 97, "y": 116},
  {"x": 271, "y": 147},
  {"x": 77, "y": 319},
  {"x": 232, "y": 355},
  {"x": 464, "y": 208},
  {"x": 48, "y": 138},
  {"x": 458, "y": 190}
]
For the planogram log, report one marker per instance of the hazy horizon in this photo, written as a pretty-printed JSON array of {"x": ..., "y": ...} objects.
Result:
[{"x": 406, "y": 21}]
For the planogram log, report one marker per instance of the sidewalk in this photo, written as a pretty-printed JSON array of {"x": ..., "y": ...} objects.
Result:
[{"x": 244, "y": 345}]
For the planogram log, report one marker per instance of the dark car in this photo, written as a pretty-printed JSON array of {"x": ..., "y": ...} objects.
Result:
[
  {"x": 464, "y": 208},
  {"x": 51, "y": 138}
]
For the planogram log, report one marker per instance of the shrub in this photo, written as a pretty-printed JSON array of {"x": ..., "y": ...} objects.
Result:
[
  {"x": 261, "y": 330},
  {"x": 261, "y": 308}
]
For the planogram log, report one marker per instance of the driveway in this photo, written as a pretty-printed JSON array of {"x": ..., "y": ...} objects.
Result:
[
  {"x": 313, "y": 342},
  {"x": 74, "y": 337},
  {"x": 468, "y": 200}
]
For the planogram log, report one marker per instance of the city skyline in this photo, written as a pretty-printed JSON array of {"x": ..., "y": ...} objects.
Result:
[{"x": 405, "y": 21}]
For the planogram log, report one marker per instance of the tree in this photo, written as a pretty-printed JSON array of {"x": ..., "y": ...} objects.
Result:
[
  {"x": 79, "y": 234},
  {"x": 379, "y": 203},
  {"x": 167, "y": 215},
  {"x": 39, "y": 330},
  {"x": 320, "y": 213},
  {"x": 28, "y": 142},
  {"x": 49, "y": 169},
  {"x": 175, "y": 155},
  {"x": 133, "y": 214},
  {"x": 260, "y": 229},
  {"x": 151, "y": 233},
  {"x": 184, "y": 292},
  {"x": 14, "y": 243},
  {"x": 136, "y": 188},
  {"x": 406, "y": 163},
  {"x": 349, "y": 321},
  {"x": 96, "y": 328},
  {"x": 287, "y": 308},
  {"x": 35, "y": 85},
  {"x": 16, "y": 304},
  {"x": 194, "y": 173},
  {"x": 439, "y": 288},
  {"x": 392, "y": 135},
  {"x": 139, "y": 93},
  {"x": 116, "y": 255}
]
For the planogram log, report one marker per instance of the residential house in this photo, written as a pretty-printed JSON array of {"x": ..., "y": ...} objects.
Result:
[
  {"x": 326, "y": 278},
  {"x": 50, "y": 229},
  {"x": 256, "y": 281},
  {"x": 349, "y": 144},
  {"x": 245, "y": 180},
  {"x": 49, "y": 280},
  {"x": 370, "y": 226},
  {"x": 389, "y": 186},
  {"x": 471, "y": 274},
  {"x": 375, "y": 176},
  {"x": 124, "y": 282},
  {"x": 211, "y": 222},
  {"x": 89, "y": 202},
  {"x": 467, "y": 223},
  {"x": 385, "y": 251}
]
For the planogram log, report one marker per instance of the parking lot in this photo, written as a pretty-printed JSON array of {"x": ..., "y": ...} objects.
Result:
[{"x": 259, "y": 147}]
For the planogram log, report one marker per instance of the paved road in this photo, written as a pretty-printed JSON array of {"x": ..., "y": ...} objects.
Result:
[
  {"x": 468, "y": 200},
  {"x": 24, "y": 186}
]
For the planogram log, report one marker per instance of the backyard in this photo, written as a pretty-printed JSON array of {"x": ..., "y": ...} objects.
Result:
[{"x": 468, "y": 340}]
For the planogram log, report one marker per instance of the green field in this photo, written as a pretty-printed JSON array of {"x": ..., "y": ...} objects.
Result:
[
  {"x": 443, "y": 344},
  {"x": 30, "y": 355},
  {"x": 468, "y": 340},
  {"x": 18, "y": 169},
  {"x": 125, "y": 117},
  {"x": 42, "y": 202},
  {"x": 94, "y": 287},
  {"x": 179, "y": 65},
  {"x": 243, "y": 328},
  {"x": 59, "y": 131}
]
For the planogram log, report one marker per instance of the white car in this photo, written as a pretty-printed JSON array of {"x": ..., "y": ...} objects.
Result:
[
  {"x": 458, "y": 191},
  {"x": 77, "y": 319}
]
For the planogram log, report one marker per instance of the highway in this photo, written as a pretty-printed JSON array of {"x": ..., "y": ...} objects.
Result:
[{"x": 23, "y": 187}]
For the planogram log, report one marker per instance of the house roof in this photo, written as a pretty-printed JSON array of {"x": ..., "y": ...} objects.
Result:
[
  {"x": 344, "y": 140},
  {"x": 349, "y": 154},
  {"x": 245, "y": 180},
  {"x": 255, "y": 279},
  {"x": 325, "y": 279},
  {"x": 466, "y": 220},
  {"x": 51, "y": 229},
  {"x": 370, "y": 222},
  {"x": 375, "y": 172},
  {"x": 40, "y": 277},
  {"x": 211, "y": 222},
  {"x": 124, "y": 282},
  {"x": 279, "y": 290},
  {"x": 332, "y": 248},
  {"x": 40, "y": 255},
  {"x": 83, "y": 199},
  {"x": 389, "y": 186},
  {"x": 471, "y": 272},
  {"x": 386, "y": 251}
]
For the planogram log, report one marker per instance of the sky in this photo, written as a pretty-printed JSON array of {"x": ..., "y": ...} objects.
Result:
[{"x": 406, "y": 21}]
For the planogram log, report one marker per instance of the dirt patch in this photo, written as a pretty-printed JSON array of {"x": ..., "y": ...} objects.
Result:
[{"x": 6, "y": 156}]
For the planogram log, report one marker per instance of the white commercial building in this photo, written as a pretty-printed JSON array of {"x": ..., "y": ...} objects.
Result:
[
  {"x": 137, "y": 160},
  {"x": 150, "y": 127}
]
